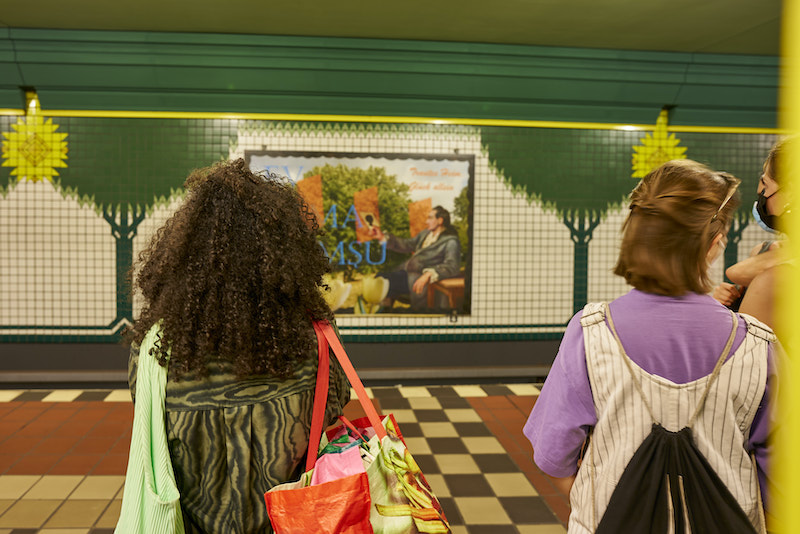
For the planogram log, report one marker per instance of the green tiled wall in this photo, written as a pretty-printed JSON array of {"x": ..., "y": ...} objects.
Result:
[{"x": 548, "y": 203}]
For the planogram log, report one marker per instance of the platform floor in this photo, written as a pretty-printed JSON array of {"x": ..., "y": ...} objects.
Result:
[{"x": 63, "y": 455}]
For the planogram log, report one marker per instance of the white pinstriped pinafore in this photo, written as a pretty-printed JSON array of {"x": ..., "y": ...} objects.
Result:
[{"x": 721, "y": 427}]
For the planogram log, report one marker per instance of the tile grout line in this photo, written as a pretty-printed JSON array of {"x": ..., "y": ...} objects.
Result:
[
  {"x": 64, "y": 501},
  {"x": 53, "y": 513},
  {"x": 103, "y": 513}
]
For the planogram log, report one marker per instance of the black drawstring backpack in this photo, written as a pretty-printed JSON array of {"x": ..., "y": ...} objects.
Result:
[{"x": 668, "y": 485}]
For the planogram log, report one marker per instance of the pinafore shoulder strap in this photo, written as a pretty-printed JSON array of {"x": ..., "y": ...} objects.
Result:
[{"x": 637, "y": 383}]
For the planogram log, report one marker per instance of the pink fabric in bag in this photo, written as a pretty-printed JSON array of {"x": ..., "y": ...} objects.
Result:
[{"x": 337, "y": 465}]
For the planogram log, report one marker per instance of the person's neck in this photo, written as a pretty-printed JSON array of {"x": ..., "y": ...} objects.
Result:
[{"x": 437, "y": 231}]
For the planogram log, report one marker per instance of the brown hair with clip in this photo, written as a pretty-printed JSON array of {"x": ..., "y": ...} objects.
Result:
[{"x": 676, "y": 211}]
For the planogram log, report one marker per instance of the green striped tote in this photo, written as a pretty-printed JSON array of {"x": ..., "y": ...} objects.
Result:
[{"x": 151, "y": 501}]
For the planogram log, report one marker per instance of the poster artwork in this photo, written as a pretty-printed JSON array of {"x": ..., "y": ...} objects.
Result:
[
  {"x": 311, "y": 190},
  {"x": 417, "y": 213},
  {"x": 397, "y": 227},
  {"x": 368, "y": 213}
]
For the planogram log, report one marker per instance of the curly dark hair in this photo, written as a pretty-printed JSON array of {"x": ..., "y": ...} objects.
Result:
[{"x": 234, "y": 275}]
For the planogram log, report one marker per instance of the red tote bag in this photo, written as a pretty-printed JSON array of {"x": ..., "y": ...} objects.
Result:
[{"x": 387, "y": 493}]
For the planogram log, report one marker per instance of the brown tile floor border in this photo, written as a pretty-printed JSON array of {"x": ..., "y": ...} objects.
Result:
[
  {"x": 498, "y": 403},
  {"x": 25, "y": 413},
  {"x": 123, "y": 446},
  {"x": 91, "y": 445},
  {"x": 73, "y": 429},
  {"x": 69, "y": 405},
  {"x": 559, "y": 504},
  {"x": 6, "y": 461},
  {"x": 111, "y": 464},
  {"x": 86, "y": 436},
  {"x": 55, "y": 445},
  {"x": 33, "y": 464},
  {"x": 39, "y": 429},
  {"x": 76, "y": 464},
  {"x": 9, "y": 428},
  {"x": 505, "y": 417},
  {"x": 524, "y": 403},
  {"x": 19, "y": 444}
]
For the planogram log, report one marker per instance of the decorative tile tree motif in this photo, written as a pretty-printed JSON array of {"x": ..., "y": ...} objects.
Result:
[
  {"x": 127, "y": 167},
  {"x": 579, "y": 174}
]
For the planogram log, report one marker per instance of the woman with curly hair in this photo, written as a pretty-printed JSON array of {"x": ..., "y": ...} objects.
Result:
[{"x": 233, "y": 281}]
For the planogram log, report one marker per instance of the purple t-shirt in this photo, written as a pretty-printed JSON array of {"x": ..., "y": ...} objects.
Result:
[{"x": 677, "y": 338}]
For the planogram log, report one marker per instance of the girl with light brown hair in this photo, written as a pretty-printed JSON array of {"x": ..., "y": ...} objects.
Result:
[{"x": 644, "y": 363}]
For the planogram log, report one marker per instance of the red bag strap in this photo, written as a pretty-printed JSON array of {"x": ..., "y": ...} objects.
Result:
[
  {"x": 346, "y": 422},
  {"x": 327, "y": 338},
  {"x": 366, "y": 403},
  {"x": 320, "y": 399}
]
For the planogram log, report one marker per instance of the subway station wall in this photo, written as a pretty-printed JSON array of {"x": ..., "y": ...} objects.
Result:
[{"x": 546, "y": 203}]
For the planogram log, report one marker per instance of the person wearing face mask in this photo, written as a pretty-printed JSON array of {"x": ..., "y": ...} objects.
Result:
[{"x": 755, "y": 277}]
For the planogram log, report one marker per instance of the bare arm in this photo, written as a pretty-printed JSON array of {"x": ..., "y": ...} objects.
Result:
[
  {"x": 564, "y": 485},
  {"x": 759, "y": 300},
  {"x": 745, "y": 271}
]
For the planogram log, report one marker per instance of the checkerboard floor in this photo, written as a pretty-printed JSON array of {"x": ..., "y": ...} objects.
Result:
[{"x": 63, "y": 456}]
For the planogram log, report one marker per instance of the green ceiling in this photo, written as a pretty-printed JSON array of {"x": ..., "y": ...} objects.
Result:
[{"x": 705, "y": 26}]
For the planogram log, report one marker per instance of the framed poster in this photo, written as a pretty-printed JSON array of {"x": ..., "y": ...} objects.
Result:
[{"x": 397, "y": 227}]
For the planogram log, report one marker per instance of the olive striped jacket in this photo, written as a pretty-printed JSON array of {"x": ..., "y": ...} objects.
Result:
[{"x": 231, "y": 440}]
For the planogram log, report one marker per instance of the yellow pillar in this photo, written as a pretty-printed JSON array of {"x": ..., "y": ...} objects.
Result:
[{"x": 786, "y": 465}]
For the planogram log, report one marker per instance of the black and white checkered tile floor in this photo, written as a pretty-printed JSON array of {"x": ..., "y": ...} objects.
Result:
[{"x": 481, "y": 488}]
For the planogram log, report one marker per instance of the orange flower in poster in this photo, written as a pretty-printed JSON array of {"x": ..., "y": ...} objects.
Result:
[
  {"x": 311, "y": 190},
  {"x": 417, "y": 215},
  {"x": 366, "y": 204}
]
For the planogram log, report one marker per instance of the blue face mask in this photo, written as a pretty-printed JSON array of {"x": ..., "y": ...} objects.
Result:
[{"x": 760, "y": 221}]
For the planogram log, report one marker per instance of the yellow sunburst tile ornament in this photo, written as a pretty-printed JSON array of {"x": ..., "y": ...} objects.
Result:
[
  {"x": 656, "y": 149},
  {"x": 34, "y": 148}
]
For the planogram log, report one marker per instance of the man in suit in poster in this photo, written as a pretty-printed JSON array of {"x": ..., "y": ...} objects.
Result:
[{"x": 435, "y": 255}]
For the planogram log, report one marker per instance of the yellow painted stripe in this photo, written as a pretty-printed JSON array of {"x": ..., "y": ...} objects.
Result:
[
  {"x": 342, "y": 118},
  {"x": 726, "y": 129},
  {"x": 121, "y": 114}
]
